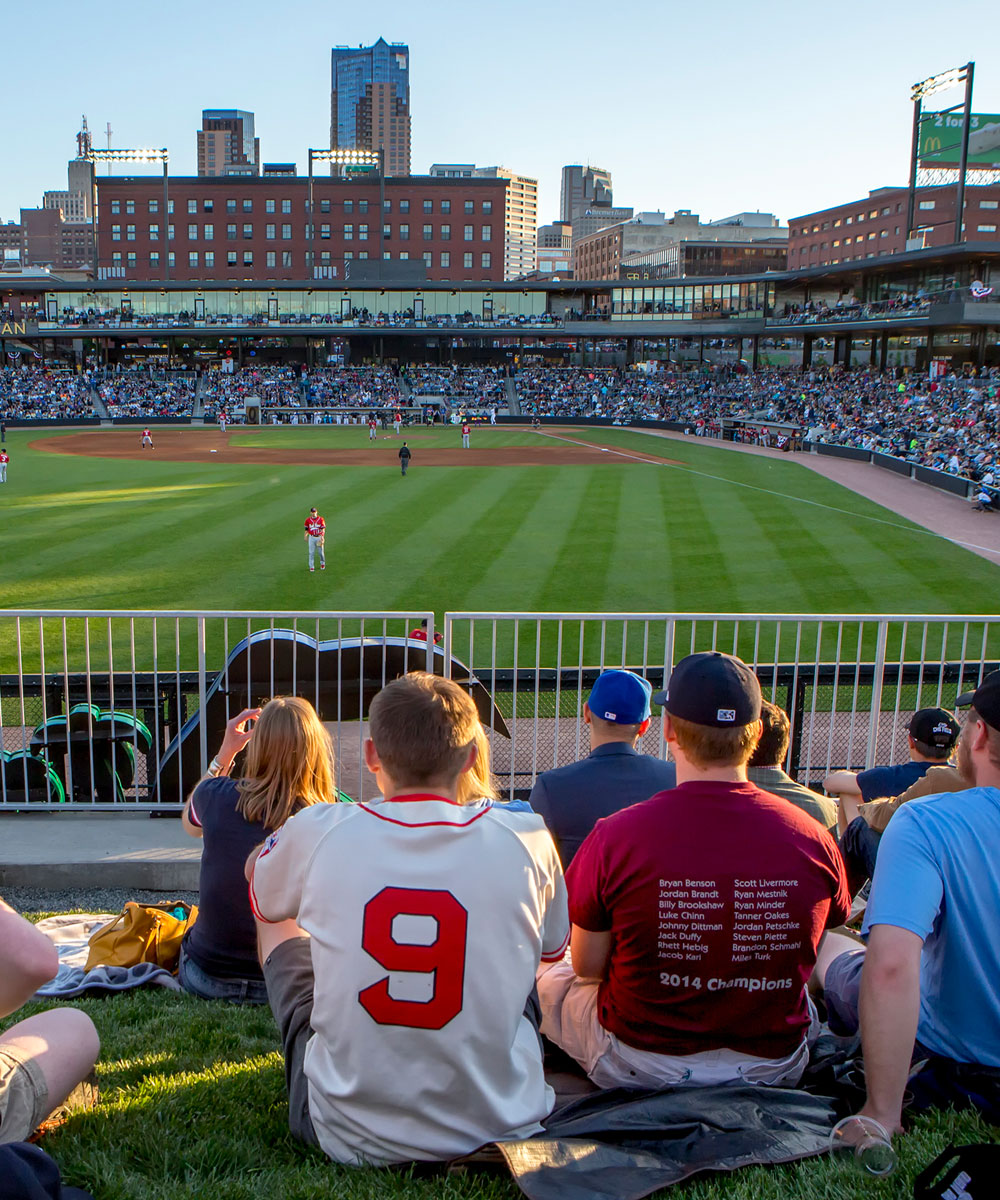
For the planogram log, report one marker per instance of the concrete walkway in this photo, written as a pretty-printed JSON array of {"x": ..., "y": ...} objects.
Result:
[{"x": 87, "y": 850}]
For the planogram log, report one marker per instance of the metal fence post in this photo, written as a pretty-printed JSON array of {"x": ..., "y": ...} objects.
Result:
[{"x": 876, "y": 701}]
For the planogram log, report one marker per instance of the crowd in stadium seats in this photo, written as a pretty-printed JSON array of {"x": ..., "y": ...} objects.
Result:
[
  {"x": 357, "y": 387},
  {"x": 127, "y": 395},
  {"x": 116, "y": 318},
  {"x": 951, "y": 424},
  {"x": 484, "y": 385},
  {"x": 273, "y": 386},
  {"x": 37, "y": 393}
]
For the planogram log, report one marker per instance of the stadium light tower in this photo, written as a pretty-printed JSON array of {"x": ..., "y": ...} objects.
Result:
[
  {"x": 920, "y": 92},
  {"x": 348, "y": 160},
  {"x": 109, "y": 156}
]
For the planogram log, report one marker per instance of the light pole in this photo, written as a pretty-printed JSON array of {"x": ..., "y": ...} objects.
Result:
[
  {"x": 920, "y": 92},
  {"x": 348, "y": 161},
  {"x": 132, "y": 156}
]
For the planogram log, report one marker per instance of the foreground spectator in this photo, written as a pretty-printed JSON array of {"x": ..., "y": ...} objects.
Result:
[
  {"x": 43, "y": 1058},
  {"x": 928, "y": 986},
  {"x": 765, "y": 769},
  {"x": 407, "y": 936},
  {"x": 289, "y": 766},
  {"x": 572, "y": 799},
  {"x": 696, "y": 916}
]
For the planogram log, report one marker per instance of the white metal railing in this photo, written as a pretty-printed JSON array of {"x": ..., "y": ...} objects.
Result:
[
  {"x": 848, "y": 683},
  {"x": 125, "y": 708},
  {"x": 122, "y": 707}
]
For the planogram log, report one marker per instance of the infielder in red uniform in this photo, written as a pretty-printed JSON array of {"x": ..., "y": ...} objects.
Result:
[
  {"x": 315, "y": 536},
  {"x": 147, "y": 440},
  {"x": 397, "y": 420},
  {"x": 466, "y": 430},
  {"x": 4, "y": 460},
  {"x": 372, "y": 429}
]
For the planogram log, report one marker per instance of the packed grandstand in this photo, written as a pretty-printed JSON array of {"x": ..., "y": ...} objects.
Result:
[{"x": 951, "y": 424}]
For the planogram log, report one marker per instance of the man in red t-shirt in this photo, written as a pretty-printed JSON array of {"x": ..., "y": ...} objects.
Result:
[
  {"x": 315, "y": 536},
  {"x": 697, "y": 914}
]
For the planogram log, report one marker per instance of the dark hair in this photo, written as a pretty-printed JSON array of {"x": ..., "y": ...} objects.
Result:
[{"x": 773, "y": 744}]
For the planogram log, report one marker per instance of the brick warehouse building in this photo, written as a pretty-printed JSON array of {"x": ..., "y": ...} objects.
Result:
[
  {"x": 876, "y": 225},
  {"x": 247, "y": 228}
]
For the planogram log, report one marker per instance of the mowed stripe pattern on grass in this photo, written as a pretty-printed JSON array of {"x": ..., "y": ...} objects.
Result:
[{"x": 724, "y": 532}]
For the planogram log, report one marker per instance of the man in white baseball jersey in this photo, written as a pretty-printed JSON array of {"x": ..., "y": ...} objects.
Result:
[
  {"x": 404, "y": 1014},
  {"x": 147, "y": 440},
  {"x": 315, "y": 536}
]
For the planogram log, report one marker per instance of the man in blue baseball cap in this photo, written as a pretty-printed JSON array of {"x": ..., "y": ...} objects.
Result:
[
  {"x": 697, "y": 914},
  {"x": 572, "y": 799}
]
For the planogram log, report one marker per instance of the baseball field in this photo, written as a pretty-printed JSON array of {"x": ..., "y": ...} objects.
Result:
[{"x": 577, "y": 519}]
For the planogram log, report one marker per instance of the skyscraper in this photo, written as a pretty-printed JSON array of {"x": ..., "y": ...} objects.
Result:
[
  {"x": 370, "y": 101},
  {"x": 583, "y": 188},
  {"x": 226, "y": 143}
]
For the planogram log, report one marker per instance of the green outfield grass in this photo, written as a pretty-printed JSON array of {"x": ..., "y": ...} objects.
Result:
[{"x": 717, "y": 532}]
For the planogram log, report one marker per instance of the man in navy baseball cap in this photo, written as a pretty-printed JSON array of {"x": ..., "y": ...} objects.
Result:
[
  {"x": 572, "y": 799},
  {"x": 712, "y": 689}
]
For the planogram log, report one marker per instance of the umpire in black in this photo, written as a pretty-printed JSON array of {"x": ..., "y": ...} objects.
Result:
[{"x": 404, "y": 457}]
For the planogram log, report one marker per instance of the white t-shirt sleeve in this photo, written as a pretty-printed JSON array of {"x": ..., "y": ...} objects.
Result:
[
  {"x": 555, "y": 923},
  {"x": 276, "y": 879}
]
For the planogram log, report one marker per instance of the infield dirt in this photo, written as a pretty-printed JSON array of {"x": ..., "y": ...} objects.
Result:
[{"x": 197, "y": 446}]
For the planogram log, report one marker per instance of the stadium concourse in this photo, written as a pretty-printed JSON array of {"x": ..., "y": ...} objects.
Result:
[{"x": 951, "y": 424}]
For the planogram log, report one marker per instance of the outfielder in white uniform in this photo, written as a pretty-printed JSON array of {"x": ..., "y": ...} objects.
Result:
[
  {"x": 315, "y": 536},
  {"x": 426, "y": 919}
]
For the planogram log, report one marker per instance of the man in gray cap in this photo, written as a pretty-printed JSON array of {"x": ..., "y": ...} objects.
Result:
[
  {"x": 696, "y": 915},
  {"x": 572, "y": 799},
  {"x": 928, "y": 986}
]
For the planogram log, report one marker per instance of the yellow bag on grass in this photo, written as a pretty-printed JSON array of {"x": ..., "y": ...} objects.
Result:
[{"x": 142, "y": 933}]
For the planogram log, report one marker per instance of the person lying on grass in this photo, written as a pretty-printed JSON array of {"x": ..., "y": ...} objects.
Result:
[
  {"x": 400, "y": 939},
  {"x": 289, "y": 766},
  {"x": 45, "y": 1057}
]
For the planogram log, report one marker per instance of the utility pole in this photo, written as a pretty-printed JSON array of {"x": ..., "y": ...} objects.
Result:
[{"x": 107, "y": 130}]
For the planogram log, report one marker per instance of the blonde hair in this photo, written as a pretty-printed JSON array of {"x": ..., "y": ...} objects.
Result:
[
  {"x": 478, "y": 783},
  {"x": 289, "y": 763},
  {"x": 705, "y": 746},
  {"x": 423, "y": 728}
]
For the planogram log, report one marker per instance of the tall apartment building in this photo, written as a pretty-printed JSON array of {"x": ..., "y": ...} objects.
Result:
[
  {"x": 583, "y": 188},
  {"x": 43, "y": 239},
  {"x": 520, "y": 218},
  {"x": 226, "y": 143},
  {"x": 370, "y": 101}
]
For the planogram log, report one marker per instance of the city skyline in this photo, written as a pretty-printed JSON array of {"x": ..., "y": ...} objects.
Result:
[{"x": 716, "y": 131}]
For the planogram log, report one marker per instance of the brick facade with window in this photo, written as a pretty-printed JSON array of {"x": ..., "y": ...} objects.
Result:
[
  {"x": 876, "y": 225},
  {"x": 241, "y": 228}
]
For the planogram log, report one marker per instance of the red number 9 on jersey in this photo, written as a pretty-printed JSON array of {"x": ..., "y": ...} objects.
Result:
[{"x": 444, "y": 958}]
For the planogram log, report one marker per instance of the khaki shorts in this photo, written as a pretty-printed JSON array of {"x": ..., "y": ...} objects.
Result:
[
  {"x": 24, "y": 1094},
  {"x": 569, "y": 1018}
]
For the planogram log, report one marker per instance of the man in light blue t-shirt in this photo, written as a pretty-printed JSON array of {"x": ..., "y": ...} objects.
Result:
[{"x": 931, "y": 973}]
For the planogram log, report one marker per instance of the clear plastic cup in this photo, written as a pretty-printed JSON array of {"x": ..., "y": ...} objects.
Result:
[{"x": 869, "y": 1142}]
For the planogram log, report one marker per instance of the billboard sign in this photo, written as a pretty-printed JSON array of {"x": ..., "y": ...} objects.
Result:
[{"x": 940, "y": 143}]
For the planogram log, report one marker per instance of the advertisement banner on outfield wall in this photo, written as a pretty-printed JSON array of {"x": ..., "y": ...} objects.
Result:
[{"x": 940, "y": 142}]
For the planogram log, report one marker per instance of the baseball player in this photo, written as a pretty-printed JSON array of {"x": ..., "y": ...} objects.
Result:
[
  {"x": 147, "y": 440},
  {"x": 397, "y": 420},
  {"x": 4, "y": 460},
  {"x": 466, "y": 430},
  {"x": 372, "y": 429},
  {"x": 315, "y": 536},
  {"x": 404, "y": 457},
  {"x": 222, "y": 421}
]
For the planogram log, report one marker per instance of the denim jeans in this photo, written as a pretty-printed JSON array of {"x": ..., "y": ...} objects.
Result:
[{"x": 215, "y": 987}]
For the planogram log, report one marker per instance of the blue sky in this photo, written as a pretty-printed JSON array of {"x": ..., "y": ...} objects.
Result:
[{"x": 784, "y": 107}]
